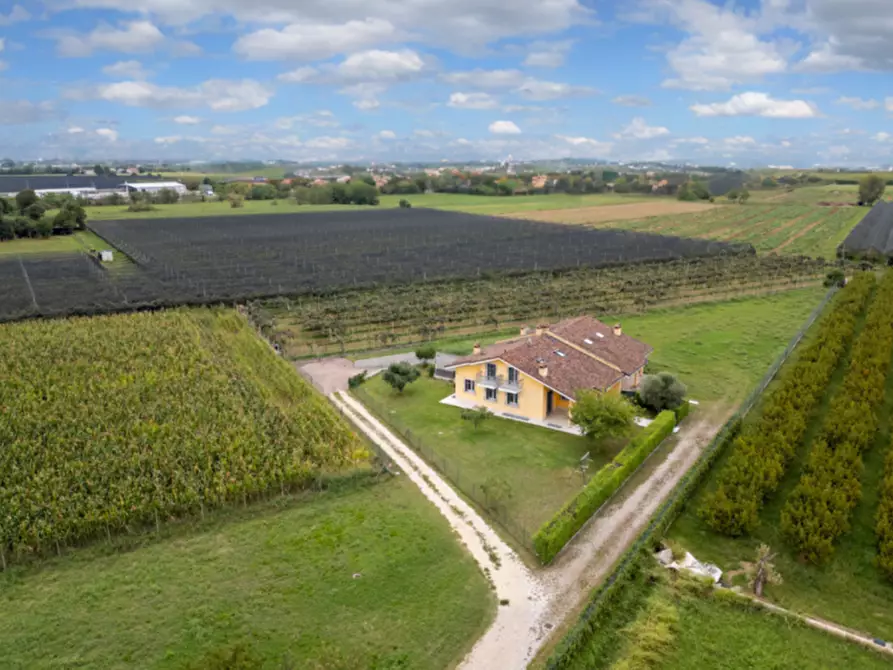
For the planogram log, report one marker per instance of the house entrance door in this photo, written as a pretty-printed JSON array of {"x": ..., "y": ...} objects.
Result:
[{"x": 550, "y": 400}]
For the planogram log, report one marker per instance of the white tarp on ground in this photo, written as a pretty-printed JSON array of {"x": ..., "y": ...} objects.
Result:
[{"x": 693, "y": 565}]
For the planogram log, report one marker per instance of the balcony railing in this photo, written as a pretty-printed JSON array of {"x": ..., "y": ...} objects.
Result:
[{"x": 499, "y": 382}]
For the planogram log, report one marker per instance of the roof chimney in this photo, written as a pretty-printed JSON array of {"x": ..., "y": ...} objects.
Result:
[
  {"x": 476, "y": 350},
  {"x": 541, "y": 329},
  {"x": 543, "y": 370},
  {"x": 618, "y": 331}
]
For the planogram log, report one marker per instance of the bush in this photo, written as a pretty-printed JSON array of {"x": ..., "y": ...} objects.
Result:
[
  {"x": 552, "y": 537},
  {"x": 661, "y": 391},
  {"x": 682, "y": 411},
  {"x": 405, "y": 204},
  {"x": 236, "y": 201},
  {"x": 357, "y": 380},
  {"x": 426, "y": 352},
  {"x": 761, "y": 454},
  {"x": 602, "y": 414},
  {"x": 399, "y": 375},
  {"x": 140, "y": 205}
]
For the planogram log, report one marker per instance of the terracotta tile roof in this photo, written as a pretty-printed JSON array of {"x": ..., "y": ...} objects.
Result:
[
  {"x": 627, "y": 353},
  {"x": 570, "y": 370}
]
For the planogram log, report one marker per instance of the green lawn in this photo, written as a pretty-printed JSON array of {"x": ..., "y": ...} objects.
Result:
[
  {"x": 370, "y": 577},
  {"x": 448, "y": 201},
  {"x": 80, "y": 241},
  {"x": 537, "y": 463},
  {"x": 721, "y": 350},
  {"x": 717, "y": 636}
]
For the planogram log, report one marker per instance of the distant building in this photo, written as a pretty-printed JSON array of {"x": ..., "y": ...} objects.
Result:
[{"x": 155, "y": 187}]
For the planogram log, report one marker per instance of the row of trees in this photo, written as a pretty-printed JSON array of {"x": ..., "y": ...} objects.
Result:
[
  {"x": 762, "y": 452},
  {"x": 818, "y": 510},
  {"x": 26, "y": 217},
  {"x": 354, "y": 193},
  {"x": 884, "y": 526}
]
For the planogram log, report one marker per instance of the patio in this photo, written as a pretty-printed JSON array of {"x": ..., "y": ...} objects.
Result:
[{"x": 558, "y": 420}]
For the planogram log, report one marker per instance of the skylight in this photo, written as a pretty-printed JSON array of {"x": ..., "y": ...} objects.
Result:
[
  {"x": 600, "y": 335},
  {"x": 560, "y": 353},
  {"x": 588, "y": 341}
]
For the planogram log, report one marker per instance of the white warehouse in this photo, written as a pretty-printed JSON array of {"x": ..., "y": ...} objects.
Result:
[{"x": 155, "y": 187}]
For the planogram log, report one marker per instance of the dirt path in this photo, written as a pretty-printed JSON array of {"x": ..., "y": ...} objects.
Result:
[
  {"x": 539, "y": 602},
  {"x": 589, "y": 558}
]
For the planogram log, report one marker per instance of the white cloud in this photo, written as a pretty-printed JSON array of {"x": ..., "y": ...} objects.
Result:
[
  {"x": 504, "y": 128},
  {"x": 301, "y": 75},
  {"x": 473, "y": 101},
  {"x": 225, "y": 130},
  {"x": 185, "y": 120},
  {"x": 758, "y": 104},
  {"x": 16, "y": 15},
  {"x": 536, "y": 89},
  {"x": 172, "y": 139},
  {"x": 852, "y": 35},
  {"x": 221, "y": 95},
  {"x": 882, "y": 137},
  {"x": 387, "y": 135},
  {"x": 888, "y": 104},
  {"x": 382, "y": 66},
  {"x": 322, "y": 118},
  {"x": 328, "y": 143},
  {"x": 107, "y": 134},
  {"x": 366, "y": 105},
  {"x": 75, "y": 130},
  {"x": 130, "y": 69},
  {"x": 547, "y": 54},
  {"x": 858, "y": 104},
  {"x": 131, "y": 37},
  {"x": 826, "y": 60},
  {"x": 315, "y": 41},
  {"x": 486, "y": 79},
  {"x": 690, "y": 140},
  {"x": 739, "y": 140},
  {"x": 638, "y": 129},
  {"x": 632, "y": 101},
  {"x": 600, "y": 148}
]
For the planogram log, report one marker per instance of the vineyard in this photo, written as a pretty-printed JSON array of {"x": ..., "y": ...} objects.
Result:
[
  {"x": 113, "y": 423},
  {"x": 807, "y": 473},
  {"x": 354, "y": 320},
  {"x": 780, "y": 228}
]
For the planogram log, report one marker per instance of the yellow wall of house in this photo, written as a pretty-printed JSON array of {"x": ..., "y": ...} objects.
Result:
[{"x": 531, "y": 399}]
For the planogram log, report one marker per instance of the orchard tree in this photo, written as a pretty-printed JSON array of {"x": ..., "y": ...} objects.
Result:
[
  {"x": 25, "y": 199},
  {"x": 399, "y": 375},
  {"x": 743, "y": 196},
  {"x": 763, "y": 571},
  {"x": 661, "y": 391},
  {"x": 426, "y": 352},
  {"x": 602, "y": 414},
  {"x": 871, "y": 188}
]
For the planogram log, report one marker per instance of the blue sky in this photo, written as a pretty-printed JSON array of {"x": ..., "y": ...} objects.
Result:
[{"x": 799, "y": 82}]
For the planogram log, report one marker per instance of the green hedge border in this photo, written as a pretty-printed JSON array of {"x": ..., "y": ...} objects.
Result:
[{"x": 557, "y": 532}]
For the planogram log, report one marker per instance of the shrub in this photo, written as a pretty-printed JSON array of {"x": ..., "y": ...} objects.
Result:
[
  {"x": 761, "y": 453},
  {"x": 476, "y": 416},
  {"x": 140, "y": 205},
  {"x": 602, "y": 414},
  {"x": 552, "y": 537},
  {"x": 236, "y": 201},
  {"x": 661, "y": 391},
  {"x": 426, "y": 352},
  {"x": 818, "y": 510},
  {"x": 357, "y": 380},
  {"x": 682, "y": 411},
  {"x": 399, "y": 375},
  {"x": 405, "y": 204}
]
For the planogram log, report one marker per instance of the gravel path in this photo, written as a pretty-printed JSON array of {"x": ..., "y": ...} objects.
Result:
[
  {"x": 539, "y": 602},
  {"x": 331, "y": 374}
]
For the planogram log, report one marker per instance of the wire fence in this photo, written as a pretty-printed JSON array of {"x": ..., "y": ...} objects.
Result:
[
  {"x": 469, "y": 485},
  {"x": 669, "y": 511}
]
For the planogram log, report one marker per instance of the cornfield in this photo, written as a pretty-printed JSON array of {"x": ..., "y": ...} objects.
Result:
[{"x": 112, "y": 423}]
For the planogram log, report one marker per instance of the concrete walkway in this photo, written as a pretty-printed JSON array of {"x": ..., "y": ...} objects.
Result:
[
  {"x": 331, "y": 374},
  {"x": 561, "y": 424}
]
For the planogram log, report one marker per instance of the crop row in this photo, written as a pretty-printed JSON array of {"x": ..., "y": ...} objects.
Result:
[
  {"x": 818, "y": 510},
  {"x": 111, "y": 423},
  {"x": 763, "y": 450},
  {"x": 884, "y": 526}
]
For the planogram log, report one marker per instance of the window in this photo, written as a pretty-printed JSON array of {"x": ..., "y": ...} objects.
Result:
[
  {"x": 491, "y": 395},
  {"x": 469, "y": 386},
  {"x": 511, "y": 399},
  {"x": 491, "y": 369},
  {"x": 513, "y": 376},
  {"x": 560, "y": 353}
]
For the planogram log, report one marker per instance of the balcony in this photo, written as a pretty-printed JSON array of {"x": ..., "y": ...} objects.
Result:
[{"x": 499, "y": 382}]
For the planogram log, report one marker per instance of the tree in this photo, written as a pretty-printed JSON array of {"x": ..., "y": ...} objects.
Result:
[
  {"x": 744, "y": 196},
  {"x": 661, "y": 391},
  {"x": 835, "y": 277},
  {"x": 7, "y": 228},
  {"x": 496, "y": 490},
  {"x": 871, "y": 189},
  {"x": 476, "y": 416},
  {"x": 6, "y": 207},
  {"x": 43, "y": 227},
  {"x": 426, "y": 352},
  {"x": 399, "y": 375},
  {"x": 167, "y": 196},
  {"x": 361, "y": 193},
  {"x": 733, "y": 194},
  {"x": 602, "y": 414},
  {"x": 34, "y": 211},
  {"x": 98, "y": 170},
  {"x": 763, "y": 571},
  {"x": 405, "y": 204},
  {"x": 25, "y": 199},
  {"x": 192, "y": 183},
  {"x": 769, "y": 182}
]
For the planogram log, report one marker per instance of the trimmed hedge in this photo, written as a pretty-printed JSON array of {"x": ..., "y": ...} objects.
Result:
[
  {"x": 818, "y": 510},
  {"x": 764, "y": 449},
  {"x": 552, "y": 537},
  {"x": 884, "y": 526},
  {"x": 682, "y": 411}
]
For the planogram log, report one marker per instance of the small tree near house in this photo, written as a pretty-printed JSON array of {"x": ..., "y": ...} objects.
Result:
[
  {"x": 763, "y": 571},
  {"x": 476, "y": 416},
  {"x": 661, "y": 391},
  {"x": 399, "y": 375},
  {"x": 602, "y": 414},
  {"x": 426, "y": 353}
]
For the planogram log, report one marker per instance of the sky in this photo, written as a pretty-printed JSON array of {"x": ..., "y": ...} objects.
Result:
[{"x": 741, "y": 82}]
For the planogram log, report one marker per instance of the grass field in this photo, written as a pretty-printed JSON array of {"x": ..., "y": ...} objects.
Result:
[
  {"x": 849, "y": 589},
  {"x": 448, "y": 201},
  {"x": 538, "y": 464},
  {"x": 80, "y": 241},
  {"x": 771, "y": 227},
  {"x": 360, "y": 578}
]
